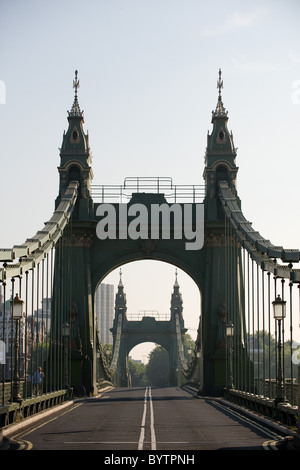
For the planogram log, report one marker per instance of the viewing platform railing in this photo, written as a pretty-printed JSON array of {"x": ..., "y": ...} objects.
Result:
[{"x": 158, "y": 185}]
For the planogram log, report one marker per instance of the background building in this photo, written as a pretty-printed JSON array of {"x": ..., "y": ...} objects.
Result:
[
  {"x": 104, "y": 308},
  {"x": 33, "y": 330}
]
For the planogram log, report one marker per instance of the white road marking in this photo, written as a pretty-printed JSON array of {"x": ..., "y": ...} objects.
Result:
[
  {"x": 143, "y": 424},
  {"x": 153, "y": 437},
  {"x": 142, "y": 434}
]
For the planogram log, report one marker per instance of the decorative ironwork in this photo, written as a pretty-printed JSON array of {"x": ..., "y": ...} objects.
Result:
[
  {"x": 75, "y": 110},
  {"x": 157, "y": 185},
  {"x": 220, "y": 110}
]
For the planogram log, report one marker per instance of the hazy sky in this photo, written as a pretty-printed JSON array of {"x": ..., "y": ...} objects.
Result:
[{"x": 148, "y": 71}]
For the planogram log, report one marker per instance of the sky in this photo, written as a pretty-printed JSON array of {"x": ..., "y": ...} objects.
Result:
[{"x": 148, "y": 71}]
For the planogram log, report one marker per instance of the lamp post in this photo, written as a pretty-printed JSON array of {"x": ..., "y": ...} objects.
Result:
[
  {"x": 189, "y": 353},
  {"x": 17, "y": 314},
  {"x": 229, "y": 336},
  {"x": 66, "y": 335},
  {"x": 198, "y": 354},
  {"x": 279, "y": 315}
]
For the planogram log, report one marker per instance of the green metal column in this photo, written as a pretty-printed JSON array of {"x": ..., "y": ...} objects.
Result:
[{"x": 79, "y": 310}]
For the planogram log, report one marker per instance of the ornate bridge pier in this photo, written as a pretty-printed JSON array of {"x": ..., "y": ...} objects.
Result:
[{"x": 84, "y": 259}]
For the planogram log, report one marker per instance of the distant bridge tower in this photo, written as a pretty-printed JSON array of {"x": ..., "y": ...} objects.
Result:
[
  {"x": 176, "y": 308},
  {"x": 147, "y": 329},
  {"x": 122, "y": 374},
  {"x": 120, "y": 299},
  {"x": 176, "y": 299}
]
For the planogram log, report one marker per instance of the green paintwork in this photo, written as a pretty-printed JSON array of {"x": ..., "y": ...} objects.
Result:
[{"x": 91, "y": 259}]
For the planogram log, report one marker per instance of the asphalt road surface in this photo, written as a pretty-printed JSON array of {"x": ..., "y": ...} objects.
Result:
[{"x": 145, "y": 419}]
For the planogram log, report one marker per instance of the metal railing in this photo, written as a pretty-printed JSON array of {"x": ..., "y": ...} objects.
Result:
[
  {"x": 257, "y": 272},
  {"x": 28, "y": 338},
  {"x": 157, "y": 185},
  {"x": 148, "y": 313}
]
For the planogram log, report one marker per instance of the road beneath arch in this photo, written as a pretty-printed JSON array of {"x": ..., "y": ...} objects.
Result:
[{"x": 146, "y": 419}]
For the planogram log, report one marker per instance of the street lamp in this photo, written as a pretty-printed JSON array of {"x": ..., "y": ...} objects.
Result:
[
  {"x": 229, "y": 330},
  {"x": 66, "y": 335},
  {"x": 229, "y": 335},
  {"x": 198, "y": 355},
  {"x": 66, "y": 330},
  {"x": 17, "y": 314},
  {"x": 279, "y": 315}
]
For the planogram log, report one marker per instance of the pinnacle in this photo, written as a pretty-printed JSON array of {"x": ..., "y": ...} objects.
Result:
[
  {"x": 220, "y": 110},
  {"x": 75, "y": 110}
]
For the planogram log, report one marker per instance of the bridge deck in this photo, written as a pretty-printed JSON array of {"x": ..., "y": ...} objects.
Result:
[{"x": 149, "y": 419}]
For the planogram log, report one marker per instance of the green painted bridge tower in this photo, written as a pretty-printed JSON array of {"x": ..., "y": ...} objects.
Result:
[
  {"x": 76, "y": 159},
  {"x": 121, "y": 376},
  {"x": 83, "y": 260},
  {"x": 220, "y": 158}
]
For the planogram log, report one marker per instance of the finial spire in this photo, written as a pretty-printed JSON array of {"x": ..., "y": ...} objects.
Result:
[
  {"x": 220, "y": 110},
  {"x": 120, "y": 282},
  {"x": 176, "y": 281},
  {"x": 220, "y": 83},
  {"x": 76, "y": 83},
  {"x": 75, "y": 110}
]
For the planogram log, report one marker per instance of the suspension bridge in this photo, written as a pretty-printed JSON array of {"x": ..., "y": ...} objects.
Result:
[{"x": 48, "y": 285}]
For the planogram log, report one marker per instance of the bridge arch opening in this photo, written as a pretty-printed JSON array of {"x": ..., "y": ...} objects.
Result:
[
  {"x": 148, "y": 285},
  {"x": 140, "y": 352},
  {"x": 155, "y": 372}
]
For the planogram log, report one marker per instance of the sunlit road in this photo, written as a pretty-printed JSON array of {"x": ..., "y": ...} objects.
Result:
[{"x": 151, "y": 419}]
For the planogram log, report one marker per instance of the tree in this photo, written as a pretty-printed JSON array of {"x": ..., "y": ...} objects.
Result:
[
  {"x": 188, "y": 344},
  {"x": 137, "y": 373},
  {"x": 157, "y": 369},
  {"x": 262, "y": 347}
]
